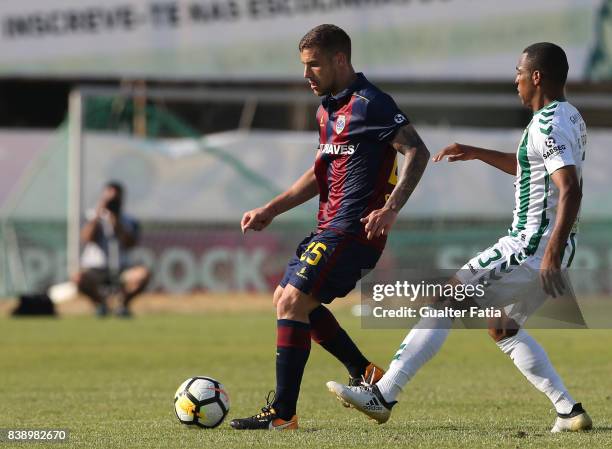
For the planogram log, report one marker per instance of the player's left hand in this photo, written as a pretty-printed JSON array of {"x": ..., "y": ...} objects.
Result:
[
  {"x": 379, "y": 222},
  {"x": 551, "y": 275}
]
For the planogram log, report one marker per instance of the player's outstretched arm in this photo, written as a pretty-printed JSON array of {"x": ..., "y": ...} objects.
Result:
[
  {"x": 570, "y": 196},
  {"x": 408, "y": 142},
  {"x": 301, "y": 191},
  {"x": 506, "y": 162}
]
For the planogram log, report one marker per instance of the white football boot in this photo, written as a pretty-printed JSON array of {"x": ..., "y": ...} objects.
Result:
[
  {"x": 365, "y": 398},
  {"x": 574, "y": 421}
]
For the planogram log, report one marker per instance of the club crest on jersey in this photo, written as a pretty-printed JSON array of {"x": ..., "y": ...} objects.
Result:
[{"x": 340, "y": 123}]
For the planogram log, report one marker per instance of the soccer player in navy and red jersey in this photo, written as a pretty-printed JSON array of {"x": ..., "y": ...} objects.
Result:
[{"x": 355, "y": 174}]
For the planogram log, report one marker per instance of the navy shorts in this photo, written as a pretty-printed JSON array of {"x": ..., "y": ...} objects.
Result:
[{"x": 327, "y": 265}]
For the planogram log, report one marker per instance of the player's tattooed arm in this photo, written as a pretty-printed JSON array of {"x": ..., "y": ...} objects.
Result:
[
  {"x": 505, "y": 162},
  {"x": 408, "y": 142}
]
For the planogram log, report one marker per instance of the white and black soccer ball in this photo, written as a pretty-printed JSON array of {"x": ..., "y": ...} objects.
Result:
[{"x": 201, "y": 401}]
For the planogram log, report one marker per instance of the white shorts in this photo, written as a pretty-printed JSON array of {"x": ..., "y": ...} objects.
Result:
[{"x": 511, "y": 279}]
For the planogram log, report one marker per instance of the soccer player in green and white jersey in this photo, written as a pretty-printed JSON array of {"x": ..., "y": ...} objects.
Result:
[{"x": 527, "y": 263}]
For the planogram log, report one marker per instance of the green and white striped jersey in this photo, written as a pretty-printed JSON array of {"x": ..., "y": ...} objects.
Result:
[{"x": 555, "y": 137}]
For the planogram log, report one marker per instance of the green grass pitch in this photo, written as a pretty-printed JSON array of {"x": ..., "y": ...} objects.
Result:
[{"x": 111, "y": 382}]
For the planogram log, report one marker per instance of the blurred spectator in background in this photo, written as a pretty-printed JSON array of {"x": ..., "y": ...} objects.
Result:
[{"x": 105, "y": 268}]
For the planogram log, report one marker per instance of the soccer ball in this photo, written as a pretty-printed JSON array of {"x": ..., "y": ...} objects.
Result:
[{"x": 201, "y": 401}]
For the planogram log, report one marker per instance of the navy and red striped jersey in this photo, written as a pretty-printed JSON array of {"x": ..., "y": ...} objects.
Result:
[{"x": 356, "y": 167}]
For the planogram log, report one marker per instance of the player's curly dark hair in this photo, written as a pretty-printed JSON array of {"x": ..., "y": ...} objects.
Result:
[
  {"x": 329, "y": 38},
  {"x": 549, "y": 59}
]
